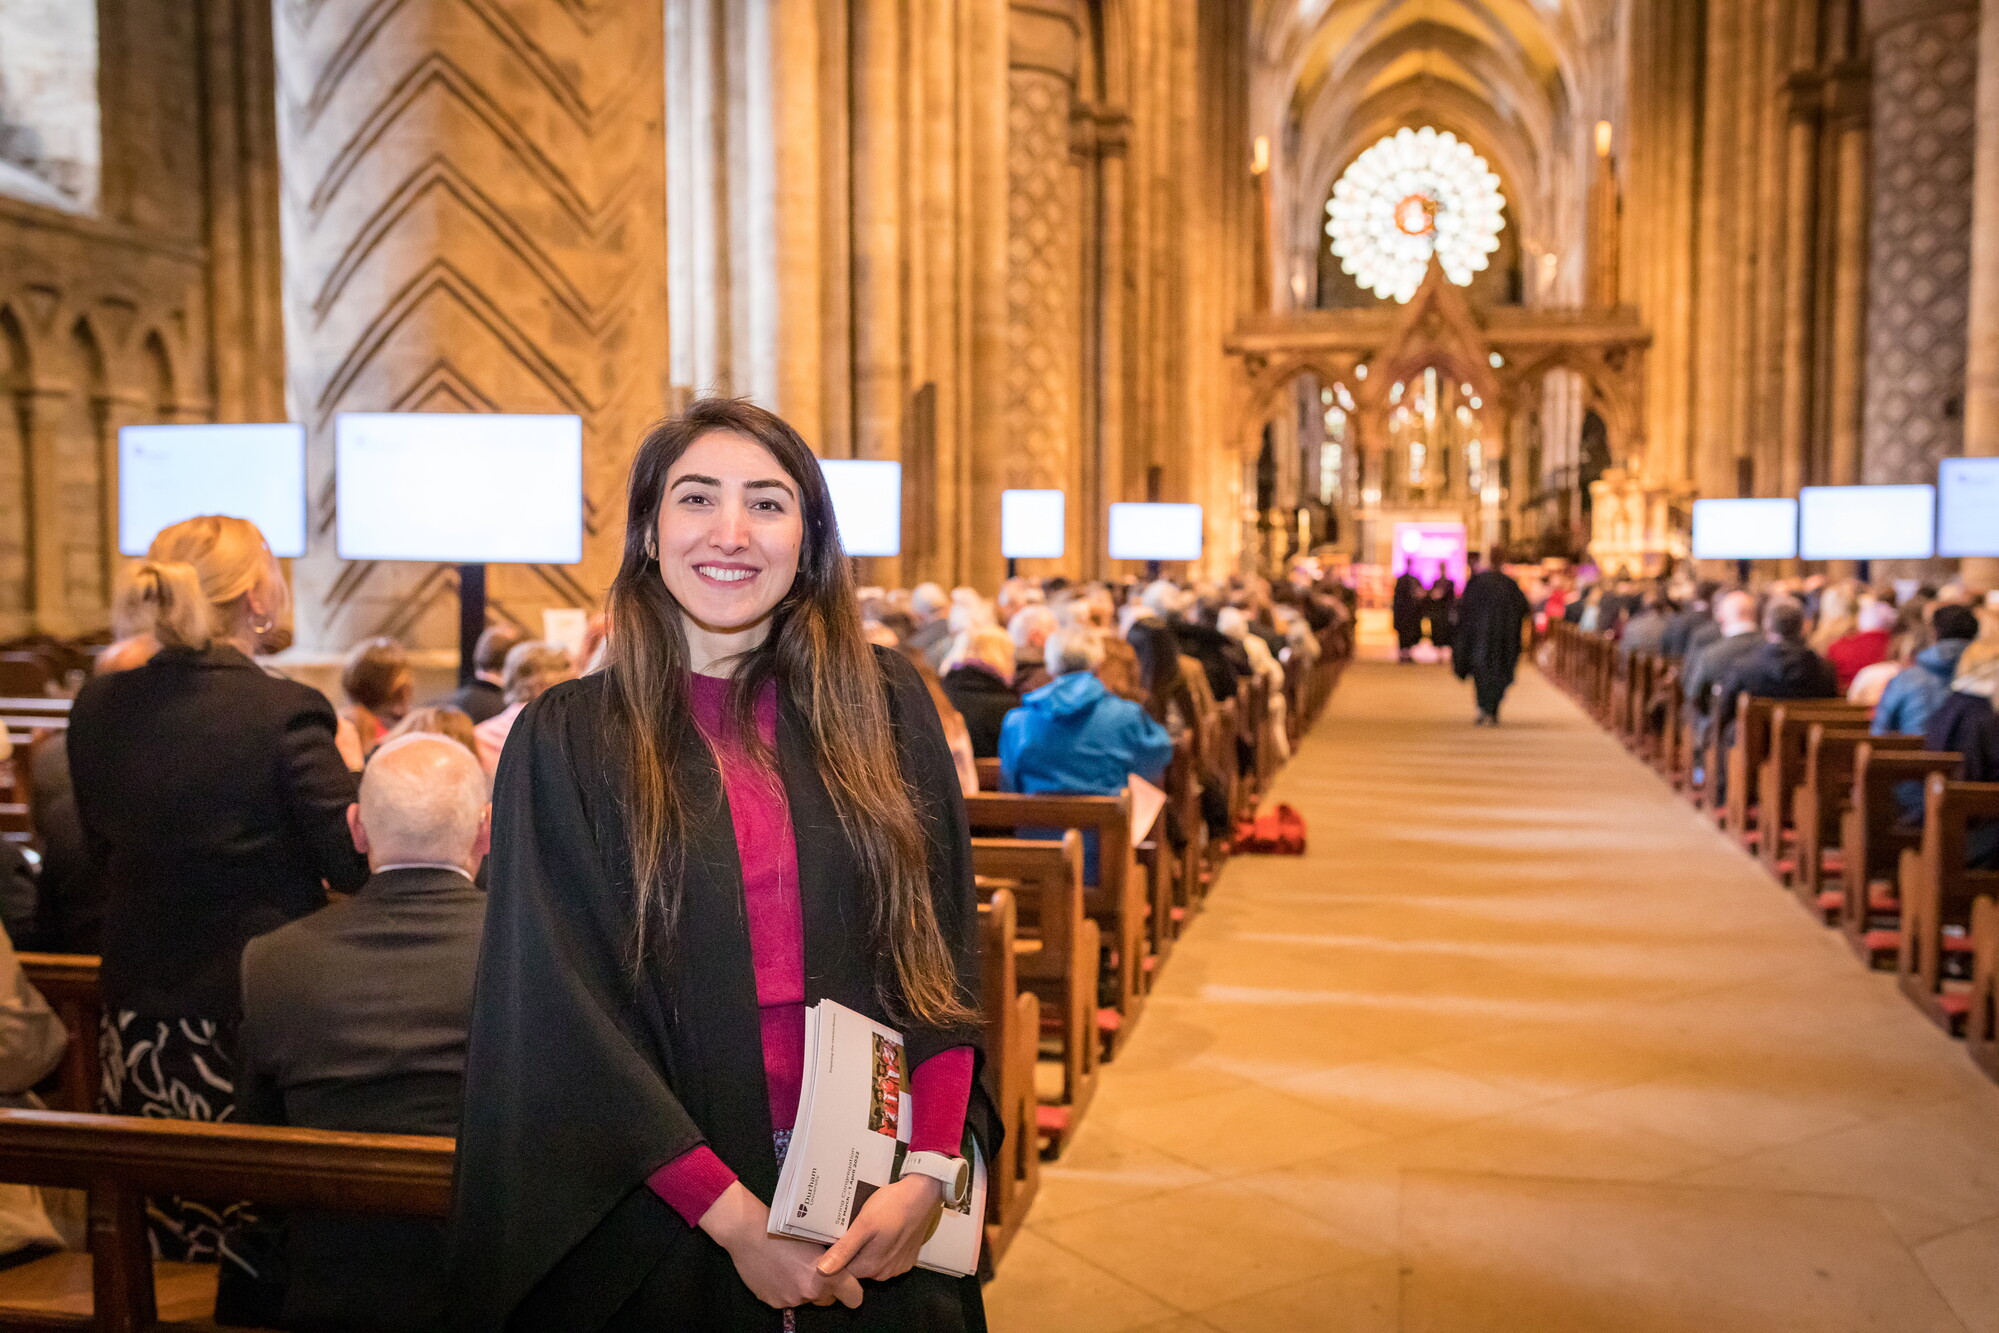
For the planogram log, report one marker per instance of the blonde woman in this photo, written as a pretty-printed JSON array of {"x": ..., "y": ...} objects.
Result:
[
  {"x": 214, "y": 807},
  {"x": 978, "y": 679}
]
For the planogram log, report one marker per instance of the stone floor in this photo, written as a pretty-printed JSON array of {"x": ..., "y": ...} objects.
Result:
[{"x": 1520, "y": 1044}]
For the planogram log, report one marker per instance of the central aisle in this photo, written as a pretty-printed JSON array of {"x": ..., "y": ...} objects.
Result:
[{"x": 1520, "y": 1044}]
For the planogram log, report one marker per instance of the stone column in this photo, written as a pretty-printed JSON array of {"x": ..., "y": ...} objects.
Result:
[
  {"x": 1801, "y": 151},
  {"x": 474, "y": 221},
  {"x": 44, "y": 409},
  {"x": 1847, "y": 318},
  {"x": 1717, "y": 366},
  {"x": 880, "y": 372},
  {"x": 1044, "y": 264},
  {"x": 1981, "y": 396},
  {"x": 1925, "y": 84}
]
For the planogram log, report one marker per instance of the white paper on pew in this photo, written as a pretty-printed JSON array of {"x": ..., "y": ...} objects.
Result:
[{"x": 1146, "y": 803}]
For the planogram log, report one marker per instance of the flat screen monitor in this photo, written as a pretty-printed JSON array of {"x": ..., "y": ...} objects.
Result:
[
  {"x": 1155, "y": 532},
  {"x": 867, "y": 504},
  {"x": 1033, "y": 524},
  {"x": 1968, "y": 507},
  {"x": 464, "y": 488},
  {"x": 1867, "y": 522},
  {"x": 1745, "y": 529},
  {"x": 168, "y": 473}
]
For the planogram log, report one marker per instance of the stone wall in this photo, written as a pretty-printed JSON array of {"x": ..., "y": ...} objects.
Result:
[{"x": 158, "y": 304}]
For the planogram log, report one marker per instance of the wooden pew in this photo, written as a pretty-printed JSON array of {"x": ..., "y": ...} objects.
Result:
[
  {"x": 1937, "y": 893},
  {"x": 22, "y": 716},
  {"x": 1872, "y": 838},
  {"x": 119, "y": 1160},
  {"x": 1117, "y": 901},
  {"x": 1751, "y": 746},
  {"x": 1818, "y": 810},
  {"x": 1708, "y": 756},
  {"x": 1782, "y": 771},
  {"x": 1012, "y": 1031},
  {"x": 1981, "y": 1022},
  {"x": 68, "y": 981},
  {"x": 1175, "y": 881},
  {"x": 1056, "y": 958},
  {"x": 1183, "y": 800}
]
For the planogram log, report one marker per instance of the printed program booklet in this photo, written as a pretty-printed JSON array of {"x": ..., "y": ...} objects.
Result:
[{"x": 854, "y": 1119}]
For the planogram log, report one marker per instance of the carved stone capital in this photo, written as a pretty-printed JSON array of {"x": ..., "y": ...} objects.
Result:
[{"x": 1098, "y": 130}]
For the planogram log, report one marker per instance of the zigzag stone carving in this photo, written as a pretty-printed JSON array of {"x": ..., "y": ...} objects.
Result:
[{"x": 473, "y": 221}]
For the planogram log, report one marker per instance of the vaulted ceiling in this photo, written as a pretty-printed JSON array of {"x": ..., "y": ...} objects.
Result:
[{"x": 1523, "y": 81}]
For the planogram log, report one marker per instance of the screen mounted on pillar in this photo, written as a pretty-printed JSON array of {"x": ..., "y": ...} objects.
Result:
[
  {"x": 867, "y": 503},
  {"x": 168, "y": 473},
  {"x": 1745, "y": 529},
  {"x": 1033, "y": 524},
  {"x": 462, "y": 488},
  {"x": 1968, "y": 507},
  {"x": 1155, "y": 532},
  {"x": 1867, "y": 522}
]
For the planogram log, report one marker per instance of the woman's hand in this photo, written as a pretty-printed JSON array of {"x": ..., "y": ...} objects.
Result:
[
  {"x": 883, "y": 1241},
  {"x": 779, "y": 1271}
]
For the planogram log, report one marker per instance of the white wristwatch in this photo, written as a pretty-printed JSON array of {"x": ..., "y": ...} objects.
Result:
[{"x": 953, "y": 1173}]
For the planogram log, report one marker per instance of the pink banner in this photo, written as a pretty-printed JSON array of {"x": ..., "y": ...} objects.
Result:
[{"x": 1429, "y": 549}]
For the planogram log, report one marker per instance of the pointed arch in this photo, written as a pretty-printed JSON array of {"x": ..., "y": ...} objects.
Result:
[
  {"x": 86, "y": 468},
  {"x": 162, "y": 399},
  {"x": 17, "y": 531}
]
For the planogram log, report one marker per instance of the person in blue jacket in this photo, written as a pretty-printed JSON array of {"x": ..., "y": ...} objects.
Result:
[
  {"x": 1073, "y": 736},
  {"x": 1919, "y": 688}
]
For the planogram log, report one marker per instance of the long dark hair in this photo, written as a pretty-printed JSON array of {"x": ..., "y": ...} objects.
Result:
[{"x": 822, "y": 667}]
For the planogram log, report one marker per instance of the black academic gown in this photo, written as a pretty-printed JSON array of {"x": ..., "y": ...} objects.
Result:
[
  {"x": 1407, "y": 611},
  {"x": 581, "y": 1083},
  {"x": 1440, "y": 607},
  {"x": 1491, "y": 614}
]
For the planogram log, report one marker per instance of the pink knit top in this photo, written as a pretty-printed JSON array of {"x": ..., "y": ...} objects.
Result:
[{"x": 940, "y": 1087}]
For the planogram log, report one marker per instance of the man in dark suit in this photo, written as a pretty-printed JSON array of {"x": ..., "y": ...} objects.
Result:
[
  {"x": 355, "y": 1019},
  {"x": 486, "y": 694}
]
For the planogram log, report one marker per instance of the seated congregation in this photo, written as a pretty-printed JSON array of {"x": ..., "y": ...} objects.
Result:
[
  {"x": 1847, "y": 741},
  {"x": 250, "y": 1035}
]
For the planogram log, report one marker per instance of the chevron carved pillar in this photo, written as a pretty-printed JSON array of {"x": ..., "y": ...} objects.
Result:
[
  {"x": 1044, "y": 265},
  {"x": 473, "y": 222}
]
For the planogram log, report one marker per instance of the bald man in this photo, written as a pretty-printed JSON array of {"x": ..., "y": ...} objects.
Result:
[
  {"x": 355, "y": 1018},
  {"x": 1709, "y": 665}
]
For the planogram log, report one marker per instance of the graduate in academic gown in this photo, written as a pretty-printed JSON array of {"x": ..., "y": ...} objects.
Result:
[
  {"x": 1491, "y": 614},
  {"x": 603, "y": 1094},
  {"x": 1440, "y": 609},
  {"x": 1407, "y": 612}
]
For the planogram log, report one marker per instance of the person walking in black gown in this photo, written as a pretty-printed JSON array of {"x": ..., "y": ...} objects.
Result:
[
  {"x": 1486, "y": 650},
  {"x": 1440, "y": 609},
  {"x": 1408, "y": 615}
]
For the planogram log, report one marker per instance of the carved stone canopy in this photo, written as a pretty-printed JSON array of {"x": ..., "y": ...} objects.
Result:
[{"x": 1439, "y": 326}]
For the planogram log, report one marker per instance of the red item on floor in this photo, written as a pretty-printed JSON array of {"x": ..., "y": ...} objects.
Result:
[{"x": 1277, "y": 832}]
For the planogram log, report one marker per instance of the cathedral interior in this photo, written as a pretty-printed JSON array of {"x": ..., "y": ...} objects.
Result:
[
  {"x": 1119, "y": 249},
  {"x": 1544, "y": 274}
]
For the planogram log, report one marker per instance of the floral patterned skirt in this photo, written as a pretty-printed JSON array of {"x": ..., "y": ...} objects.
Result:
[{"x": 173, "y": 1069}]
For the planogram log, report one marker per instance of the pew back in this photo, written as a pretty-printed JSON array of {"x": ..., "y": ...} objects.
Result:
[{"x": 1872, "y": 834}]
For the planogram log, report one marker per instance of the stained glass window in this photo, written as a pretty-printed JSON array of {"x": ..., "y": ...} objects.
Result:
[{"x": 1415, "y": 194}]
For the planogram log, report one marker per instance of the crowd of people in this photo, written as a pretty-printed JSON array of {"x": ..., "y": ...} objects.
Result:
[
  {"x": 1926, "y": 658},
  {"x": 743, "y": 795}
]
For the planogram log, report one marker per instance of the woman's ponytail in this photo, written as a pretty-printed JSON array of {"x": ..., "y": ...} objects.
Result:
[{"x": 163, "y": 598}]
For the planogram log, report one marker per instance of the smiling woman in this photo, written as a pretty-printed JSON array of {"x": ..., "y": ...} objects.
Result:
[{"x": 750, "y": 809}]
